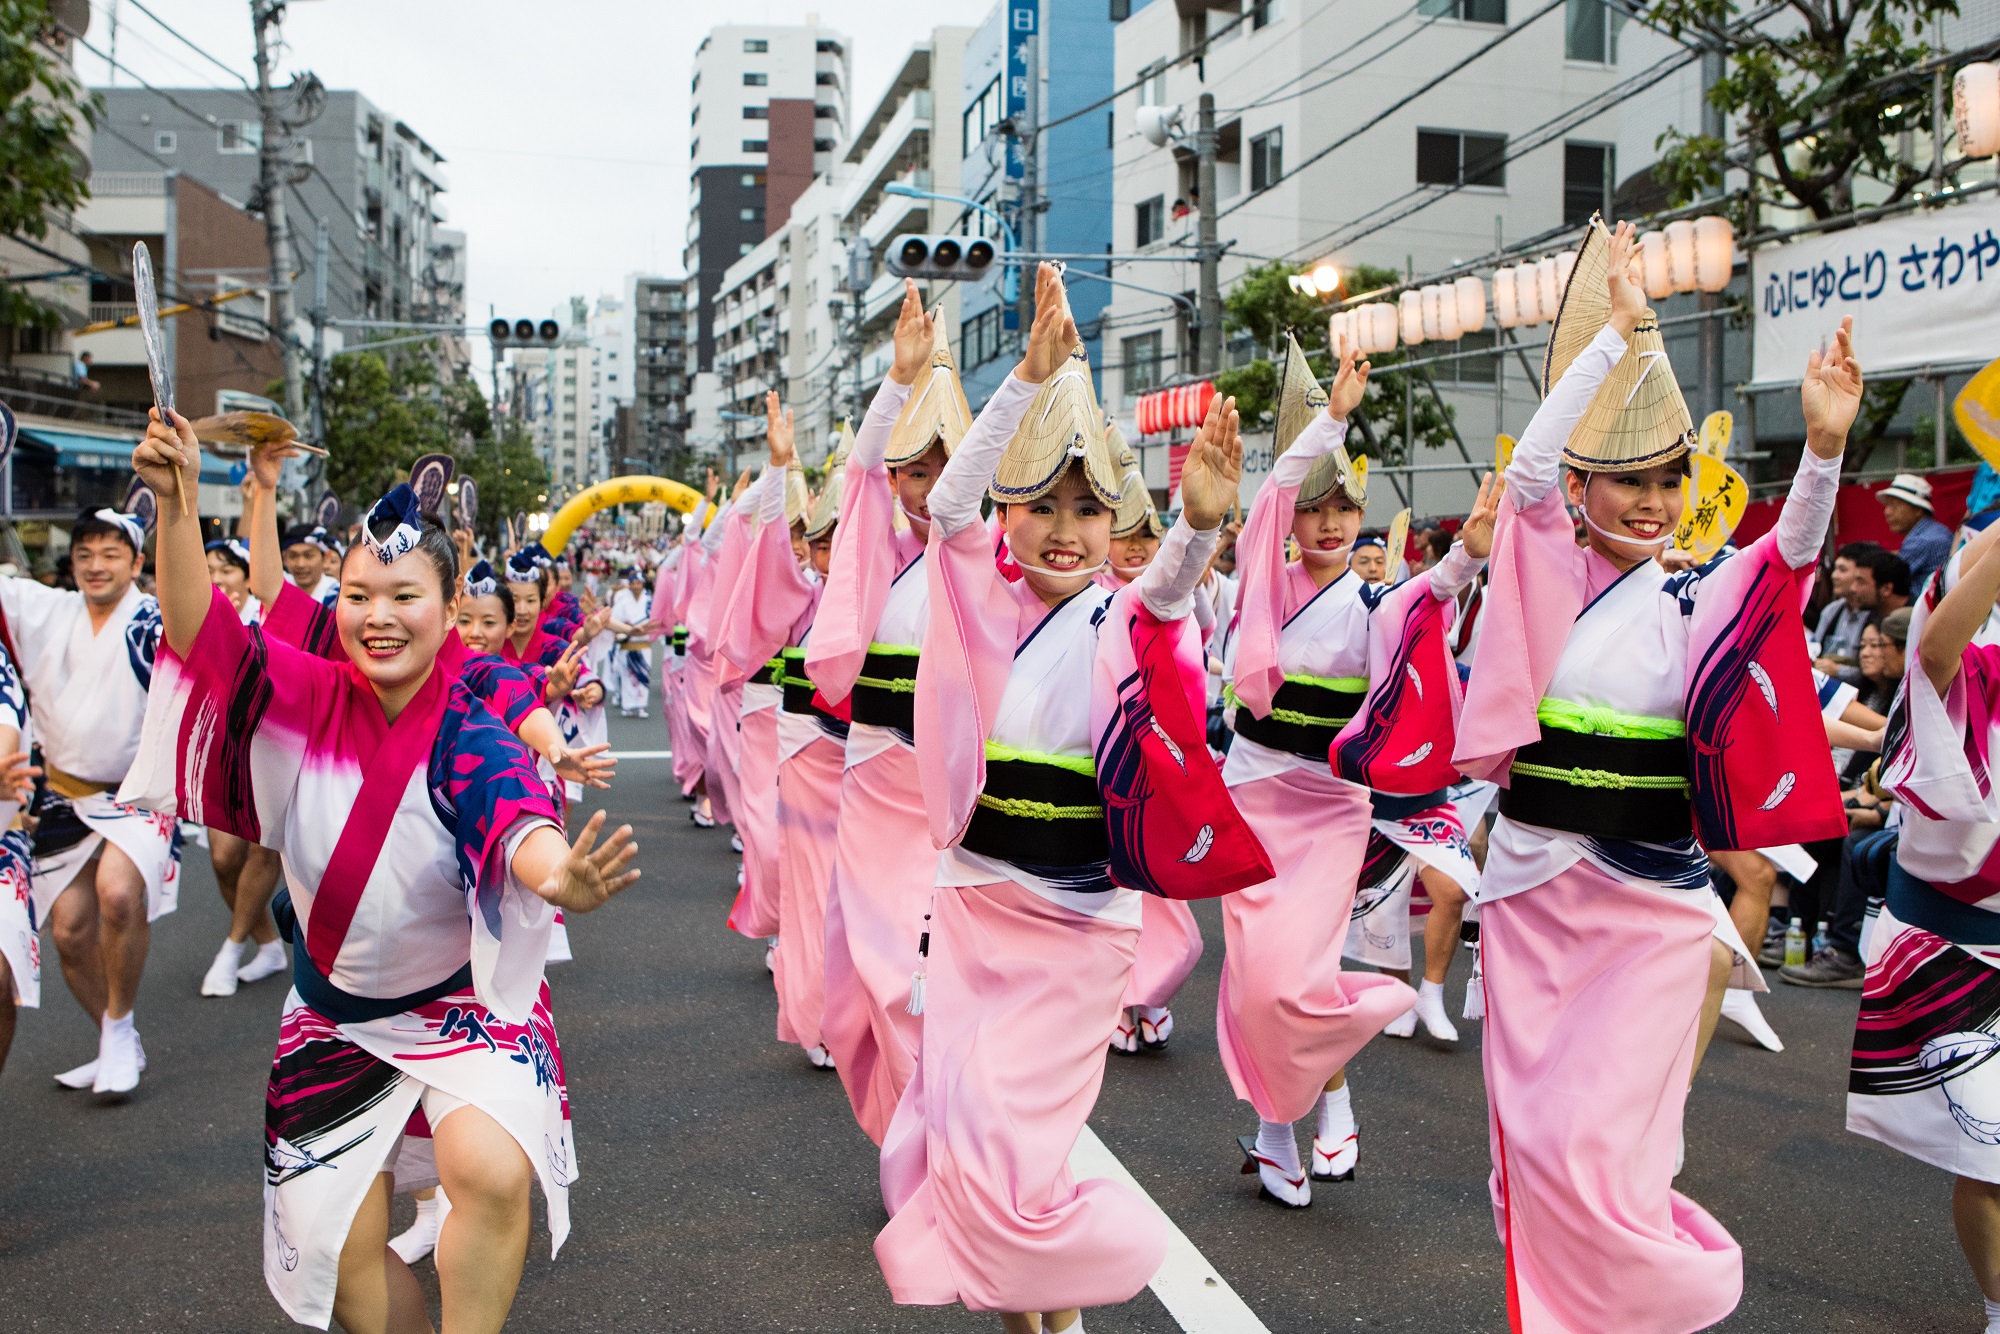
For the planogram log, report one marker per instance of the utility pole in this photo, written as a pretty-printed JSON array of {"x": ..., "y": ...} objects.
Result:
[
  {"x": 264, "y": 18},
  {"x": 1208, "y": 342},
  {"x": 1713, "y": 125}
]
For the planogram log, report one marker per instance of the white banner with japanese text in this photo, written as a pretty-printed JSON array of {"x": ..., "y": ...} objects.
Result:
[{"x": 1924, "y": 290}]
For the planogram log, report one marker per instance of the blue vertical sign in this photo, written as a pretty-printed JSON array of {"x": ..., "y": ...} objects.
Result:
[{"x": 1023, "y": 23}]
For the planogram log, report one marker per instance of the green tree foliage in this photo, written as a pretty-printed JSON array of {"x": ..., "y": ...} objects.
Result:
[
  {"x": 1813, "y": 96},
  {"x": 383, "y": 413},
  {"x": 1264, "y": 304},
  {"x": 41, "y": 105}
]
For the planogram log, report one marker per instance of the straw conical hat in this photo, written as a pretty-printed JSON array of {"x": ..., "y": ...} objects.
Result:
[
  {"x": 936, "y": 411},
  {"x": 825, "y": 509},
  {"x": 1134, "y": 513},
  {"x": 1638, "y": 418},
  {"x": 1120, "y": 450},
  {"x": 1300, "y": 399},
  {"x": 1062, "y": 426},
  {"x": 797, "y": 498},
  {"x": 1585, "y": 305}
]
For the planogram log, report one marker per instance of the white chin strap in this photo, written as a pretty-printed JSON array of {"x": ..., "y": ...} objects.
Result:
[
  {"x": 1631, "y": 540},
  {"x": 913, "y": 519},
  {"x": 1318, "y": 557},
  {"x": 1028, "y": 568}
]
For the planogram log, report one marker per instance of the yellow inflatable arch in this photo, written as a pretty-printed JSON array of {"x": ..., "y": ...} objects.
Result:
[{"x": 618, "y": 491}]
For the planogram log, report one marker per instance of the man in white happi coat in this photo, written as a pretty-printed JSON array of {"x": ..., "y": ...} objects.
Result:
[{"x": 102, "y": 870}]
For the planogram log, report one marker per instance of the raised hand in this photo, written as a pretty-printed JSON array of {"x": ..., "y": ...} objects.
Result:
[
  {"x": 1214, "y": 466},
  {"x": 562, "y": 674},
  {"x": 915, "y": 335},
  {"x": 742, "y": 485},
  {"x": 1350, "y": 382},
  {"x": 17, "y": 776},
  {"x": 591, "y": 766},
  {"x": 1054, "y": 332},
  {"x": 265, "y": 461},
  {"x": 167, "y": 456},
  {"x": 778, "y": 430},
  {"x": 1476, "y": 533},
  {"x": 587, "y": 879},
  {"x": 1628, "y": 291},
  {"x": 713, "y": 485},
  {"x": 1831, "y": 394}
]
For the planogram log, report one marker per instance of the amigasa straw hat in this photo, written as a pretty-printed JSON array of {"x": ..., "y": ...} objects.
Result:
[
  {"x": 825, "y": 511},
  {"x": 1638, "y": 418},
  {"x": 1135, "y": 513},
  {"x": 935, "y": 412},
  {"x": 1300, "y": 399},
  {"x": 797, "y": 498},
  {"x": 1063, "y": 425}
]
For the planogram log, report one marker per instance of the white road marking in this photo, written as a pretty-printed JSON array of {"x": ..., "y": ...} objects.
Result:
[
  {"x": 1199, "y": 1299},
  {"x": 641, "y": 754}
]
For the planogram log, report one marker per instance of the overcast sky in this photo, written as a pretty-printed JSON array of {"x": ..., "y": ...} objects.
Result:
[{"x": 564, "y": 127}]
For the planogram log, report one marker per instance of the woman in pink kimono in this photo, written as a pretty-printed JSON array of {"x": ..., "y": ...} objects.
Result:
[
  {"x": 770, "y": 620},
  {"x": 1318, "y": 649},
  {"x": 426, "y": 866},
  {"x": 863, "y": 657},
  {"x": 1029, "y": 941},
  {"x": 1633, "y": 717}
]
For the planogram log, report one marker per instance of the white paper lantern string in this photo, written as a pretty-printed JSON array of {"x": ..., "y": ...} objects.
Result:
[
  {"x": 1654, "y": 274},
  {"x": 1548, "y": 292},
  {"x": 1714, "y": 253},
  {"x": 1975, "y": 106},
  {"x": 1506, "y": 312},
  {"x": 1471, "y": 300},
  {"x": 1411, "y": 309},
  {"x": 1382, "y": 323},
  {"x": 1680, "y": 254}
]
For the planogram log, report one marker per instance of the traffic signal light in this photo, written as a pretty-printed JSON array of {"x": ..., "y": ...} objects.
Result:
[
  {"x": 964, "y": 259},
  {"x": 523, "y": 333}
]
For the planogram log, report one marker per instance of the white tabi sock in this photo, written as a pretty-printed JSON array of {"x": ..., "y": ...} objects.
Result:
[
  {"x": 1276, "y": 1141},
  {"x": 117, "y": 1056},
  {"x": 1992, "y": 1316},
  {"x": 1153, "y": 1014},
  {"x": 269, "y": 961},
  {"x": 421, "y": 1239},
  {"x": 1430, "y": 1009},
  {"x": 1336, "y": 1116}
]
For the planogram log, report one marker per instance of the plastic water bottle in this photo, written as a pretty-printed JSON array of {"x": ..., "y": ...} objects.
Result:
[{"x": 1795, "y": 944}]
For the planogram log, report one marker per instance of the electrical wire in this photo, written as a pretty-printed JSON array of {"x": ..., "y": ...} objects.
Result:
[
  {"x": 172, "y": 31},
  {"x": 1279, "y": 95},
  {"x": 165, "y": 96}
]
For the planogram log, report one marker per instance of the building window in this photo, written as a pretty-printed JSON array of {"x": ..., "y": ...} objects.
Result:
[
  {"x": 1142, "y": 363},
  {"x": 756, "y": 113},
  {"x": 825, "y": 111},
  {"x": 743, "y": 248},
  {"x": 1590, "y": 31},
  {"x": 1262, "y": 13},
  {"x": 754, "y": 214},
  {"x": 756, "y": 145},
  {"x": 1149, "y": 219},
  {"x": 1466, "y": 11},
  {"x": 1471, "y": 370},
  {"x": 166, "y": 141},
  {"x": 755, "y": 80},
  {"x": 1153, "y": 84},
  {"x": 824, "y": 145},
  {"x": 755, "y": 46},
  {"x": 979, "y": 337},
  {"x": 1453, "y": 157},
  {"x": 979, "y": 118},
  {"x": 238, "y": 136},
  {"x": 1121, "y": 10},
  {"x": 825, "y": 47},
  {"x": 750, "y": 180},
  {"x": 1590, "y": 173},
  {"x": 694, "y": 148},
  {"x": 1267, "y": 160},
  {"x": 825, "y": 79}
]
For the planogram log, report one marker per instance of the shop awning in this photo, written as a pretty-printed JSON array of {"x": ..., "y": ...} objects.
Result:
[{"x": 74, "y": 449}]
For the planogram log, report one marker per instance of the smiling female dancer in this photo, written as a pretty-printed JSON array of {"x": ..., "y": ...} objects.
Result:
[
  {"x": 1313, "y": 640},
  {"x": 1634, "y": 716},
  {"x": 421, "y": 846},
  {"x": 864, "y": 654},
  {"x": 1029, "y": 941}
]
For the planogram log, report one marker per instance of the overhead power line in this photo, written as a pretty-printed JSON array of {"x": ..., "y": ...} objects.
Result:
[{"x": 176, "y": 35}]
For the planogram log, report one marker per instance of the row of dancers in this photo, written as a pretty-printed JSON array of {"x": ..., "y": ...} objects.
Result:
[{"x": 994, "y": 796}]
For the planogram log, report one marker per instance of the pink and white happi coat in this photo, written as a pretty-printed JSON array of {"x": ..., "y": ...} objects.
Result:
[
  {"x": 772, "y": 609},
  {"x": 1026, "y": 972},
  {"x": 422, "y": 951},
  {"x": 89, "y": 688},
  {"x": 671, "y": 589},
  {"x": 1923, "y": 1079},
  {"x": 1595, "y": 952},
  {"x": 1288, "y": 1017},
  {"x": 877, "y": 593}
]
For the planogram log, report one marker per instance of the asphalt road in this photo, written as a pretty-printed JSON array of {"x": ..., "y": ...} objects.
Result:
[{"x": 724, "y": 1186}]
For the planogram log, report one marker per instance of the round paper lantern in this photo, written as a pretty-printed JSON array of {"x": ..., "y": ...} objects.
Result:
[
  {"x": 1548, "y": 291},
  {"x": 1359, "y": 332},
  {"x": 1714, "y": 253},
  {"x": 1527, "y": 297},
  {"x": 1975, "y": 105},
  {"x": 1680, "y": 254},
  {"x": 1411, "y": 310},
  {"x": 1447, "y": 305},
  {"x": 1471, "y": 295},
  {"x": 1382, "y": 326},
  {"x": 1654, "y": 274},
  {"x": 1429, "y": 298},
  {"x": 1506, "y": 313}
]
